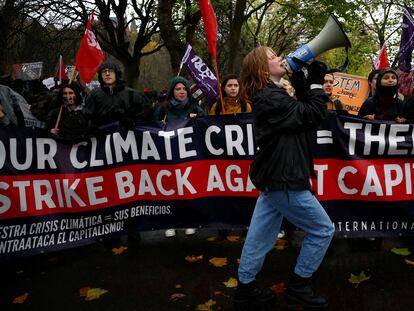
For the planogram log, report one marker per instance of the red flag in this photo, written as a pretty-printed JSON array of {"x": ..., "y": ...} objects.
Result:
[
  {"x": 89, "y": 55},
  {"x": 381, "y": 61},
  {"x": 210, "y": 26},
  {"x": 60, "y": 72}
]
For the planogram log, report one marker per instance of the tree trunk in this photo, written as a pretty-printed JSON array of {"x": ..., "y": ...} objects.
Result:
[
  {"x": 234, "y": 37},
  {"x": 169, "y": 34},
  {"x": 132, "y": 71}
]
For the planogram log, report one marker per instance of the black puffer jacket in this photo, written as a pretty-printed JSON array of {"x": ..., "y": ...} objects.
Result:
[
  {"x": 106, "y": 105},
  {"x": 282, "y": 124}
]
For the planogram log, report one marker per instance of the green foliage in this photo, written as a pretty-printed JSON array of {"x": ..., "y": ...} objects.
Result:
[
  {"x": 357, "y": 279},
  {"x": 401, "y": 251}
]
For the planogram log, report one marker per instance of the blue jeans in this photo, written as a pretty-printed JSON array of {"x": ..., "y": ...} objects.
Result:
[{"x": 304, "y": 211}]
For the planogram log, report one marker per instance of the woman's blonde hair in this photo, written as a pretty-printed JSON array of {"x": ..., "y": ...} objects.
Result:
[{"x": 254, "y": 74}]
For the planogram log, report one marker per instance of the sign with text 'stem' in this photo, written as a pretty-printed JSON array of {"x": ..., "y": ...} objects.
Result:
[
  {"x": 191, "y": 173},
  {"x": 351, "y": 90}
]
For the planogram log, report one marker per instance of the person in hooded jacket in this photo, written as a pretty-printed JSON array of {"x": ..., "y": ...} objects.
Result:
[
  {"x": 180, "y": 105},
  {"x": 385, "y": 104},
  {"x": 113, "y": 101}
]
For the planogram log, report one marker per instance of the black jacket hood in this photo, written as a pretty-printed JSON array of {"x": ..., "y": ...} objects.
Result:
[{"x": 109, "y": 64}]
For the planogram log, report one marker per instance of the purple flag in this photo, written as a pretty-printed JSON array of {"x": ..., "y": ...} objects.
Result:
[
  {"x": 407, "y": 41},
  {"x": 200, "y": 73}
]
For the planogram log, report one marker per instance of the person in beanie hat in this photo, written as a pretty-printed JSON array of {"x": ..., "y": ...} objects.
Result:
[
  {"x": 180, "y": 105},
  {"x": 114, "y": 102},
  {"x": 385, "y": 104}
]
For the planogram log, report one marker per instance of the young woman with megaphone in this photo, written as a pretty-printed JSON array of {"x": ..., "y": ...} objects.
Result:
[{"x": 281, "y": 172}]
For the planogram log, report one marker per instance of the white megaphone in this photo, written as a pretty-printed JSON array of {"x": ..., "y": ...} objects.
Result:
[{"x": 331, "y": 36}]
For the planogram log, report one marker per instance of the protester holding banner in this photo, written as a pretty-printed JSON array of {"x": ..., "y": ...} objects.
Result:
[
  {"x": 180, "y": 106},
  {"x": 281, "y": 171},
  {"x": 114, "y": 102},
  {"x": 68, "y": 121},
  {"x": 385, "y": 104},
  {"x": 233, "y": 103},
  {"x": 333, "y": 104}
]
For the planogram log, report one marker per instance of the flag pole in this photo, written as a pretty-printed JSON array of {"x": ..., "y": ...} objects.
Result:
[
  {"x": 60, "y": 69},
  {"x": 58, "y": 118},
  {"x": 219, "y": 85},
  {"x": 181, "y": 67},
  {"x": 72, "y": 75}
]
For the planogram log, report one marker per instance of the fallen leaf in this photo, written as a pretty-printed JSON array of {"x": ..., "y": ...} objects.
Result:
[
  {"x": 95, "y": 293},
  {"x": 357, "y": 279},
  {"x": 119, "y": 250},
  {"x": 178, "y": 286},
  {"x": 218, "y": 262},
  {"x": 176, "y": 296},
  {"x": 409, "y": 262},
  {"x": 21, "y": 298},
  {"x": 217, "y": 292},
  {"x": 206, "y": 306},
  {"x": 281, "y": 244},
  {"x": 212, "y": 239},
  {"x": 232, "y": 282},
  {"x": 401, "y": 251},
  {"x": 278, "y": 289},
  {"x": 233, "y": 238},
  {"x": 83, "y": 292},
  {"x": 193, "y": 258}
]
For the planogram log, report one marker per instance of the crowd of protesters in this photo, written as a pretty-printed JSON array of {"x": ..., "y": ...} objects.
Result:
[{"x": 71, "y": 114}]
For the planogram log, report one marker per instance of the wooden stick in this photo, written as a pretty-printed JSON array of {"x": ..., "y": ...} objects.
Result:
[
  {"x": 58, "y": 118},
  {"x": 181, "y": 67},
  {"x": 72, "y": 75},
  {"x": 219, "y": 85}
]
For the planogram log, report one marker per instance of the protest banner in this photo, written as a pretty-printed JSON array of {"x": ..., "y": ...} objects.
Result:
[
  {"x": 191, "y": 173},
  {"x": 27, "y": 71},
  {"x": 350, "y": 90}
]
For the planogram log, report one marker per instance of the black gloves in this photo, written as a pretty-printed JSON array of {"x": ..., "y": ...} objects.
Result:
[
  {"x": 299, "y": 83},
  {"x": 316, "y": 72}
]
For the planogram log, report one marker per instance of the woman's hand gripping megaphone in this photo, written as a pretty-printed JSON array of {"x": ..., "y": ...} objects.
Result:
[{"x": 316, "y": 71}]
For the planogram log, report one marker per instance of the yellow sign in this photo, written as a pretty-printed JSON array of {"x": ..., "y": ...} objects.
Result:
[{"x": 351, "y": 91}]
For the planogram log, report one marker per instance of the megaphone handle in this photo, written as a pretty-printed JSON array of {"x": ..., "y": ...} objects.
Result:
[{"x": 343, "y": 67}]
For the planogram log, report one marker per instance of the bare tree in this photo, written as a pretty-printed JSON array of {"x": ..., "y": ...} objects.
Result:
[
  {"x": 124, "y": 28},
  {"x": 178, "y": 25}
]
